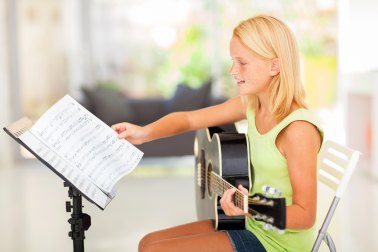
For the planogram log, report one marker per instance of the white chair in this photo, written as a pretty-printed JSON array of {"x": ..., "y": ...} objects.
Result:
[{"x": 336, "y": 164}]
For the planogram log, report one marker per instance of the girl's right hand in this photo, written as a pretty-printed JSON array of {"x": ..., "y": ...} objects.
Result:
[{"x": 133, "y": 133}]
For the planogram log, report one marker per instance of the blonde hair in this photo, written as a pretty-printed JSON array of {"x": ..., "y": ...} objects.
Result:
[{"x": 270, "y": 38}]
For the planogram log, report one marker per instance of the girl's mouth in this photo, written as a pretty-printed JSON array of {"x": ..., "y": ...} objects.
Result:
[{"x": 241, "y": 82}]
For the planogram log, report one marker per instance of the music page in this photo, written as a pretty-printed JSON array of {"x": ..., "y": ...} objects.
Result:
[
  {"x": 91, "y": 149},
  {"x": 75, "y": 176}
]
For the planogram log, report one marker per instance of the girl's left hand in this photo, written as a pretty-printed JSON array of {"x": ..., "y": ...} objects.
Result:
[{"x": 228, "y": 205}]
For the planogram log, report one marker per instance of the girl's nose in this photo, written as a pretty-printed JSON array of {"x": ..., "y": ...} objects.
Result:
[{"x": 234, "y": 70}]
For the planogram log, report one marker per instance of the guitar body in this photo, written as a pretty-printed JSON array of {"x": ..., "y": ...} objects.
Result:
[{"x": 227, "y": 155}]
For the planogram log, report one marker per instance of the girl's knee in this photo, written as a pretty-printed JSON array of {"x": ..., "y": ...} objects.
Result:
[
  {"x": 145, "y": 241},
  {"x": 148, "y": 246}
]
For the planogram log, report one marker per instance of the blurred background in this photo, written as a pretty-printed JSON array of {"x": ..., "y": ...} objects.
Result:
[{"x": 133, "y": 59}]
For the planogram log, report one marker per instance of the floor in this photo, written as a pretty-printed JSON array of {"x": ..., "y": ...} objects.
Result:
[{"x": 158, "y": 194}]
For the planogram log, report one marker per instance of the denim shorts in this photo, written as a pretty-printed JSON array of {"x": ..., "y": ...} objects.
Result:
[{"x": 244, "y": 241}]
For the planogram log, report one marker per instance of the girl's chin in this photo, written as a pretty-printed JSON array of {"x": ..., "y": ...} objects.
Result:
[
  {"x": 242, "y": 90},
  {"x": 245, "y": 89},
  {"x": 242, "y": 93}
]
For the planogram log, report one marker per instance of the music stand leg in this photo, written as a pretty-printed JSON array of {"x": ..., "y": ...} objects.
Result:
[{"x": 80, "y": 222}]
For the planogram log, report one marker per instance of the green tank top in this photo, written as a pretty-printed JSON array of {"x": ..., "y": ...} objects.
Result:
[{"x": 270, "y": 168}]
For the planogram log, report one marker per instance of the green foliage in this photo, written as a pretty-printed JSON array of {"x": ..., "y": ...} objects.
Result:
[
  {"x": 195, "y": 68},
  {"x": 108, "y": 84}
]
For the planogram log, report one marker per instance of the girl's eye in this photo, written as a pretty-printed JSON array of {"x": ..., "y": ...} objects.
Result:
[{"x": 242, "y": 63}]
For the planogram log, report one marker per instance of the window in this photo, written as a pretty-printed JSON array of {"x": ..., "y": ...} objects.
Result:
[{"x": 145, "y": 48}]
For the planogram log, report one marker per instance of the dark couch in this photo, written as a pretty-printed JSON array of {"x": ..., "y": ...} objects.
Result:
[{"x": 113, "y": 107}]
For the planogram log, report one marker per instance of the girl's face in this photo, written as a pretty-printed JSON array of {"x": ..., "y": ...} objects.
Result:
[{"x": 251, "y": 73}]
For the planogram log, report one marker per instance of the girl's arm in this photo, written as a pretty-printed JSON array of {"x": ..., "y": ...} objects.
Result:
[
  {"x": 301, "y": 142},
  {"x": 179, "y": 122}
]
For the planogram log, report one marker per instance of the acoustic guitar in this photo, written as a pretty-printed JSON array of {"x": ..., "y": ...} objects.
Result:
[{"x": 223, "y": 162}]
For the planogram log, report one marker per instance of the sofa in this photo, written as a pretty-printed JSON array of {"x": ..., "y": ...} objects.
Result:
[{"x": 112, "y": 107}]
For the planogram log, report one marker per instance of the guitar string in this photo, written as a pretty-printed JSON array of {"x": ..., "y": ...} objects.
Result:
[
  {"x": 239, "y": 199},
  {"x": 224, "y": 185},
  {"x": 258, "y": 214},
  {"x": 219, "y": 186},
  {"x": 252, "y": 211}
]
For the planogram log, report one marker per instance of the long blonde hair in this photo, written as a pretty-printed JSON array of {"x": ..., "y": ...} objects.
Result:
[{"x": 270, "y": 38}]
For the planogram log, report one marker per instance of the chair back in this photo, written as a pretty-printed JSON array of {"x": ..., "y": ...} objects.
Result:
[{"x": 336, "y": 164}]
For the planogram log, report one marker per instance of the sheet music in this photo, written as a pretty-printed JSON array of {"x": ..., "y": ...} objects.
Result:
[
  {"x": 76, "y": 177},
  {"x": 20, "y": 126},
  {"x": 90, "y": 147}
]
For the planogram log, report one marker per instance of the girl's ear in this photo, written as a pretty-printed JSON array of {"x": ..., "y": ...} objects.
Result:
[{"x": 275, "y": 67}]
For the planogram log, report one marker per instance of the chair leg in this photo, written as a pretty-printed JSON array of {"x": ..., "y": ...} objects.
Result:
[
  {"x": 323, "y": 235},
  {"x": 326, "y": 237},
  {"x": 318, "y": 242},
  {"x": 331, "y": 245}
]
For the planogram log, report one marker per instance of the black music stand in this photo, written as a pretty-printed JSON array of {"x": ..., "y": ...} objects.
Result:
[{"x": 80, "y": 222}]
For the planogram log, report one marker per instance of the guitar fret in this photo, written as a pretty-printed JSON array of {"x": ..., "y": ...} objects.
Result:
[{"x": 219, "y": 186}]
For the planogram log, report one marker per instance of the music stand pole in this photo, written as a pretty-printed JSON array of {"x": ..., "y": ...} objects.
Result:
[{"x": 79, "y": 221}]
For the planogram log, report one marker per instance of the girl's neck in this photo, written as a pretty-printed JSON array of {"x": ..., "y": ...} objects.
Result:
[{"x": 263, "y": 107}]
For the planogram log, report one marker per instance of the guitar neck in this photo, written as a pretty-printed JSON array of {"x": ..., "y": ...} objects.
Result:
[{"x": 218, "y": 186}]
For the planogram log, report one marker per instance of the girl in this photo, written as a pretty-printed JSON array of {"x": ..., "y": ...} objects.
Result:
[{"x": 284, "y": 142}]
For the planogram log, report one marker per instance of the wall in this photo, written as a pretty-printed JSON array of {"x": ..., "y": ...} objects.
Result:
[
  {"x": 6, "y": 146},
  {"x": 358, "y": 78}
]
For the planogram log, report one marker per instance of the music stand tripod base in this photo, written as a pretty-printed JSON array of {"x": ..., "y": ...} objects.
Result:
[{"x": 80, "y": 222}]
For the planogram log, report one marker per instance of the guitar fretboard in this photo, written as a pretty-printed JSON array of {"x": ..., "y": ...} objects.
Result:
[{"x": 218, "y": 186}]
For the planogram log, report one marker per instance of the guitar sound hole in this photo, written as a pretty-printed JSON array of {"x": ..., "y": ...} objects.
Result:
[{"x": 208, "y": 179}]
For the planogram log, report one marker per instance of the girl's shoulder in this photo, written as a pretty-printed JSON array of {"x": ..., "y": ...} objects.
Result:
[{"x": 301, "y": 123}]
